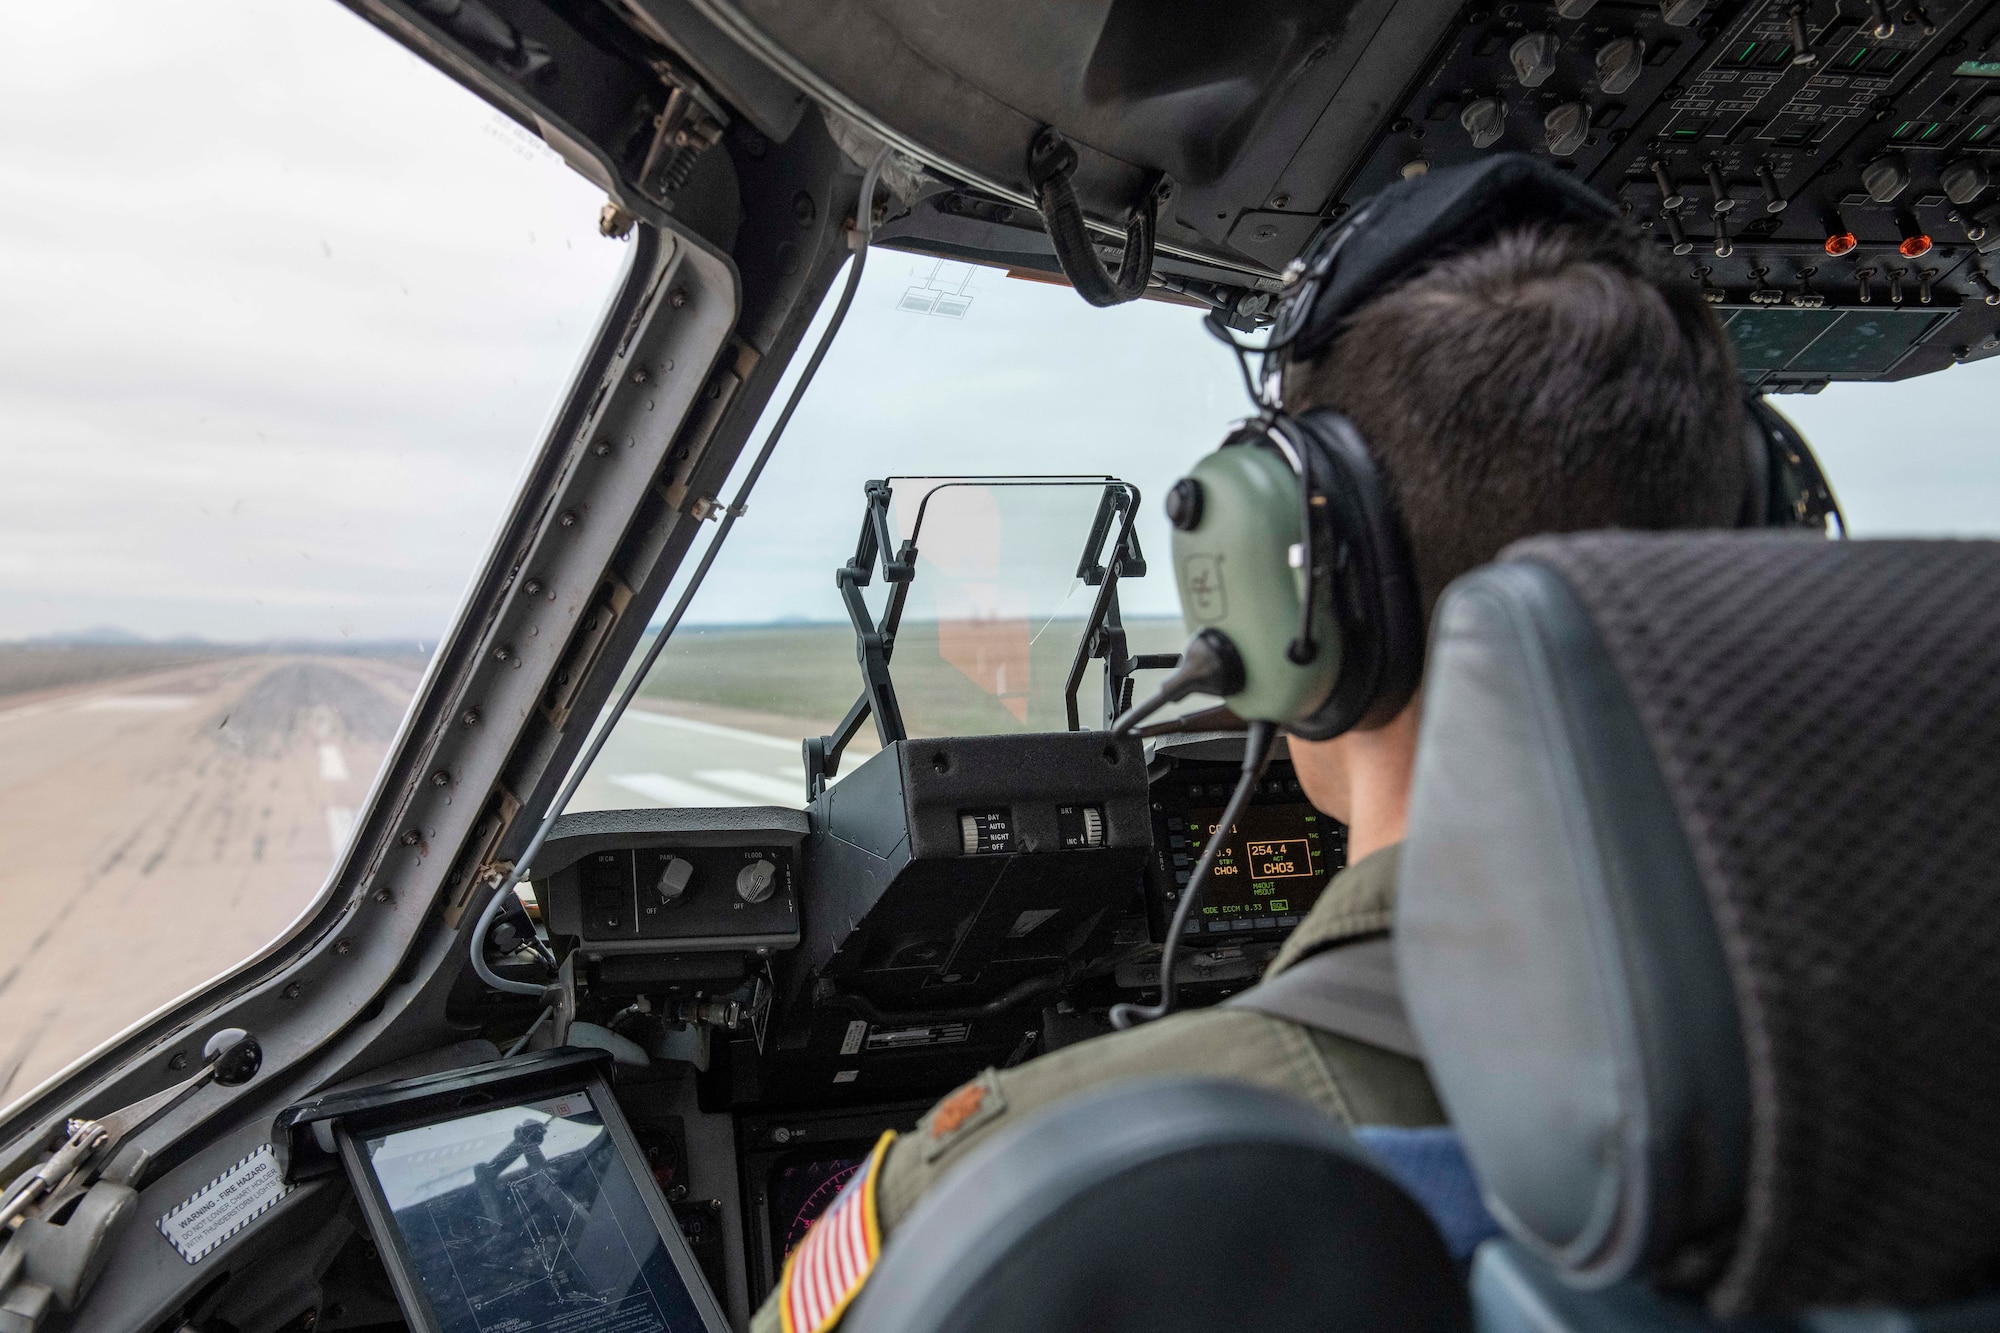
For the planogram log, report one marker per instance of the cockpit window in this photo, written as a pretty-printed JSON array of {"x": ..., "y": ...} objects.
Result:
[
  {"x": 1004, "y": 411},
  {"x": 276, "y": 349},
  {"x": 945, "y": 369}
]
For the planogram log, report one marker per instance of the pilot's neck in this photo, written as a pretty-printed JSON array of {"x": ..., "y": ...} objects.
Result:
[{"x": 1362, "y": 778}]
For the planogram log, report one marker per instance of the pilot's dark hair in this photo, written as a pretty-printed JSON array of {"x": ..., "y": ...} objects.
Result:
[{"x": 1553, "y": 379}]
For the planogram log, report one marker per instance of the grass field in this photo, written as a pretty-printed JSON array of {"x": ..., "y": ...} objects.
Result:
[{"x": 810, "y": 672}]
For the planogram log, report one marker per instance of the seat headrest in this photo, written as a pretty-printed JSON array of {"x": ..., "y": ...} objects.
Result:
[{"x": 1699, "y": 915}]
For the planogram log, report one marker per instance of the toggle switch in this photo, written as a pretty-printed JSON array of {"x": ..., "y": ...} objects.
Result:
[
  {"x": 1670, "y": 194},
  {"x": 1774, "y": 198}
]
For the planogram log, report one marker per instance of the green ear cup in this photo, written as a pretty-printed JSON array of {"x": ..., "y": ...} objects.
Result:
[{"x": 1234, "y": 531}]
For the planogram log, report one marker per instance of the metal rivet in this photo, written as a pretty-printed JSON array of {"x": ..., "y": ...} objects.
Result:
[
  {"x": 470, "y": 717},
  {"x": 1280, "y": 200},
  {"x": 678, "y": 297},
  {"x": 441, "y": 778},
  {"x": 411, "y": 838},
  {"x": 533, "y": 587},
  {"x": 602, "y": 449},
  {"x": 384, "y": 896},
  {"x": 179, "y": 1062},
  {"x": 638, "y": 374},
  {"x": 567, "y": 518},
  {"x": 344, "y": 947},
  {"x": 293, "y": 991},
  {"x": 503, "y": 654}
]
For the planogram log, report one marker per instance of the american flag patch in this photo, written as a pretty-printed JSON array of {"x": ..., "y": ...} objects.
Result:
[{"x": 830, "y": 1264}]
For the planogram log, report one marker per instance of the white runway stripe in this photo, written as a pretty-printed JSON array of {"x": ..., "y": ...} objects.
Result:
[
  {"x": 711, "y": 729},
  {"x": 332, "y": 763},
  {"x": 766, "y": 787},
  {"x": 339, "y": 827},
  {"x": 660, "y": 788}
]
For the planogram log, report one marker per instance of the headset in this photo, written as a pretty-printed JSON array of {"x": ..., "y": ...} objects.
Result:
[
  {"x": 1294, "y": 573},
  {"x": 1293, "y": 567}
]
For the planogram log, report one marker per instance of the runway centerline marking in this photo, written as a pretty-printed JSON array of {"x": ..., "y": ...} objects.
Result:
[
  {"x": 712, "y": 729},
  {"x": 766, "y": 787},
  {"x": 339, "y": 827},
  {"x": 678, "y": 791},
  {"x": 332, "y": 763}
]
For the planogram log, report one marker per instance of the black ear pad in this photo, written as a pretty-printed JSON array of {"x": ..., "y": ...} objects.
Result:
[{"x": 1360, "y": 549}]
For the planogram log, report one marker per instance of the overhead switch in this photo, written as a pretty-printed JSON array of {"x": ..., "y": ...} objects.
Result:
[
  {"x": 1885, "y": 178},
  {"x": 1485, "y": 120},
  {"x": 1680, "y": 13},
  {"x": 1620, "y": 61},
  {"x": 1964, "y": 180},
  {"x": 1566, "y": 127},
  {"x": 1534, "y": 58}
]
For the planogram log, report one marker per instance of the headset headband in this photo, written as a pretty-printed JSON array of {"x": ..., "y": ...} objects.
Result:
[{"x": 1415, "y": 221}]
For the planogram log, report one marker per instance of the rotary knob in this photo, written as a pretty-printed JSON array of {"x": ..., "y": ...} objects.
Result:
[
  {"x": 756, "y": 881},
  {"x": 674, "y": 878}
]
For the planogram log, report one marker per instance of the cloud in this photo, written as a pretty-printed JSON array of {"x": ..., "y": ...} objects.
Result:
[{"x": 287, "y": 311}]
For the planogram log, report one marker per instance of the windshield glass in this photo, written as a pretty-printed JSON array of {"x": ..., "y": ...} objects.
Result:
[
  {"x": 275, "y": 354},
  {"x": 1004, "y": 576},
  {"x": 945, "y": 368}
]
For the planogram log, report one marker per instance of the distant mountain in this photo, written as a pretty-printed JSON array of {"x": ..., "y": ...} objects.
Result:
[{"x": 95, "y": 635}]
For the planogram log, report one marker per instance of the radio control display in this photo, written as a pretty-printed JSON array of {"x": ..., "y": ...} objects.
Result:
[{"x": 1270, "y": 869}]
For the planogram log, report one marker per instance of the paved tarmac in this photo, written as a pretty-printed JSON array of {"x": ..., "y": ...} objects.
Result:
[{"x": 157, "y": 830}]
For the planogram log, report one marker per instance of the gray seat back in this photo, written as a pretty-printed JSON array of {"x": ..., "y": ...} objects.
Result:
[
  {"x": 1699, "y": 920},
  {"x": 1158, "y": 1206}
]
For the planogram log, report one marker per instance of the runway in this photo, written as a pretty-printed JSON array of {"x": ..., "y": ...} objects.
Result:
[{"x": 157, "y": 830}]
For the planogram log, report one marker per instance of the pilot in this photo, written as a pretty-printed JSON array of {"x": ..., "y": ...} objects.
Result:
[{"x": 1547, "y": 378}]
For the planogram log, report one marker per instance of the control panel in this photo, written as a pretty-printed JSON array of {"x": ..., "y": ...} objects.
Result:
[
  {"x": 675, "y": 881},
  {"x": 1824, "y": 169},
  {"x": 1272, "y": 866}
]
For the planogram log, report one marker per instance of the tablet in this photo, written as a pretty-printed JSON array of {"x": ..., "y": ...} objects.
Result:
[{"x": 513, "y": 1198}]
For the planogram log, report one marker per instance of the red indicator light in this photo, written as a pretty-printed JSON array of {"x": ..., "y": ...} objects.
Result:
[
  {"x": 1840, "y": 243},
  {"x": 1914, "y": 247}
]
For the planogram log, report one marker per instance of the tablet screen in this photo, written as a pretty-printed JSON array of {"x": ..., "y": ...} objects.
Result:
[{"x": 526, "y": 1219}]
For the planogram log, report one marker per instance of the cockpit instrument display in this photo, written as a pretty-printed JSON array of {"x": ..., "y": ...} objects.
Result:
[
  {"x": 801, "y": 1190},
  {"x": 1270, "y": 870},
  {"x": 524, "y": 1213}
]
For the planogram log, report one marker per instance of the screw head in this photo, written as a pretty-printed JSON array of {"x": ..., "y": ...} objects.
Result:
[
  {"x": 677, "y": 298},
  {"x": 293, "y": 991},
  {"x": 602, "y": 449},
  {"x": 503, "y": 654},
  {"x": 384, "y": 896},
  {"x": 441, "y": 778},
  {"x": 411, "y": 837},
  {"x": 567, "y": 518},
  {"x": 344, "y": 947},
  {"x": 179, "y": 1062},
  {"x": 470, "y": 717},
  {"x": 533, "y": 587}
]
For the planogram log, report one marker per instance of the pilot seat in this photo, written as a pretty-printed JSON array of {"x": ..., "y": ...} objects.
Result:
[{"x": 1699, "y": 928}]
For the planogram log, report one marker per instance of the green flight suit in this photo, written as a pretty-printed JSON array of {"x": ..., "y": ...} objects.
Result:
[{"x": 1359, "y": 1084}]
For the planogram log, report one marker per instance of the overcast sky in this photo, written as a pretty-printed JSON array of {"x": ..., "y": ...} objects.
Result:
[{"x": 285, "y": 312}]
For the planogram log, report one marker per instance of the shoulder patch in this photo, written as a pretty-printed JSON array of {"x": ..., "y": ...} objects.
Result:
[
  {"x": 827, "y": 1270},
  {"x": 970, "y": 1107}
]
